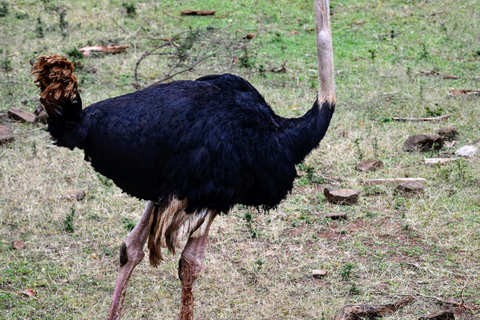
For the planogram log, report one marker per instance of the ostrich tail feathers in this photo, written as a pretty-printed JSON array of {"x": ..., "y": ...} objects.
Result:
[
  {"x": 170, "y": 227},
  {"x": 58, "y": 84}
]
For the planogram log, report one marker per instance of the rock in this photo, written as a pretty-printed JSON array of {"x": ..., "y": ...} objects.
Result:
[
  {"x": 467, "y": 151},
  {"x": 6, "y": 135},
  {"x": 448, "y": 133},
  {"x": 75, "y": 194},
  {"x": 341, "y": 196},
  {"x": 423, "y": 142},
  {"x": 18, "y": 245},
  {"x": 337, "y": 216},
  {"x": 410, "y": 187},
  {"x": 442, "y": 315},
  {"x": 20, "y": 115},
  {"x": 317, "y": 274},
  {"x": 369, "y": 166}
]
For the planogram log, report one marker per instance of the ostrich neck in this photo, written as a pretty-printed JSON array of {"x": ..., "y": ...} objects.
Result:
[{"x": 302, "y": 135}]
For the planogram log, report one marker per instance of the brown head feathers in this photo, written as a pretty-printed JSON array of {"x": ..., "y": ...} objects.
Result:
[{"x": 58, "y": 84}]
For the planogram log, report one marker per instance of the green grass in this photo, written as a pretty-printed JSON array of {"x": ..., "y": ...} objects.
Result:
[{"x": 257, "y": 266}]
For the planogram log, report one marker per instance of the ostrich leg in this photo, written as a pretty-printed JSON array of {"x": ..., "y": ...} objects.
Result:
[
  {"x": 189, "y": 268},
  {"x": 131, "y": 253}
]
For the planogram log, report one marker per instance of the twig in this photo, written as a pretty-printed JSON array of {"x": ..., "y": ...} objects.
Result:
[
  {"x": 435, "y": 73},
  {"x": 445, "y": 117},
  {"x": 453, "y": 303},
  {"x": 353, "y": 312},
  {"x": 439, "y": 160},
  {"x": 182, "y": 60},
  {"x": 371, "y": 182},
  {"x": 118, "y": 25},
  {"x": 181, "y": 71},
  {"x": 172, "y": 16},
  {"x": 146, "y": 54},
  {"x": 198, "y": 13}
]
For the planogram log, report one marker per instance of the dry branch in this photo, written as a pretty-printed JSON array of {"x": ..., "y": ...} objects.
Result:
[
  {"x": 198, "y": 12},
  {"x": 435, "y": 73},
  {"x": 371, "y": 182},
  {"x": 441, "y": 118},
  {"x": 172, "y": 16},
  {"x": 354, "y": 312},
  {"x": 460, "y": 92},
  {"x": 453, "y": 303},
  {"x": 87, "y": 51},
  {"x": 191, "y": 51},
  {"x": 439, "y": 160}
]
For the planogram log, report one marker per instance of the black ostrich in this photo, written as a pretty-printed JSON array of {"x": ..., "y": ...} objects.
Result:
[{"x": 193, "y": 149}]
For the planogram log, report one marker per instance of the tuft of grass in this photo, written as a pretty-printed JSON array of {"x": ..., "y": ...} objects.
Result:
[
  {"x": 3, "y": 9},
  {"x": 128, "y": 224},
  {"x": 75, "y": 54},
  {"x": 68, "y": 221},
  {"x": 131, "y": 9},
  {"x": 347, "y": 270}
]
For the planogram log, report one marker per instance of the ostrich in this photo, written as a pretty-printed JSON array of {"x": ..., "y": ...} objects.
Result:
[{"x": 192, "y": 149}]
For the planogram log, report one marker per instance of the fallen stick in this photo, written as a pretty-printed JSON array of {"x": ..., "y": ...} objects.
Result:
[
  {"x": 372, "y": 182},
  {"x": 87, "y": 51},
  {"x": 198, "y": 13},
  {"x": 172, "y": 16},
  {"x": 441, "y": 118},
  {"x": 452, "y": 303},
  {"x": 354, "y": 312},
  {"x": 443, "y": 75},
  {"x": 439, "y": 160}
]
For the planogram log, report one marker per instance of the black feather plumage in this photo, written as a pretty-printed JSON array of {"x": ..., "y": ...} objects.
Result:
[{"x": 214, "y": 141}]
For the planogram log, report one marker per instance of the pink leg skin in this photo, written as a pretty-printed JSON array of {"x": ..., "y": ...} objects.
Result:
[
  {"x": 189, "y": 268},
  {"x": 131, "y": 254}
]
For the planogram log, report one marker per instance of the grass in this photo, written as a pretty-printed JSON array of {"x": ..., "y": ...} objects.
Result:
[{"x": 257, "y": 266}]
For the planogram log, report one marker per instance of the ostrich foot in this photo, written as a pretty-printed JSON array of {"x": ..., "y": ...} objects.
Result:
[
  {"x": 131, "y": 254},
  {"x": 189, "y": 268}
]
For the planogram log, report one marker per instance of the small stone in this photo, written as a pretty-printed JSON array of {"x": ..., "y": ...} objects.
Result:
[
  {"x": 467, "y": 151},
  {"x": 442, "y": 315},
  {"x": 18, "y": 245},
  {"x": 318, "y": 274},
  {"x": 369, "y": 166},
  {"x": 423, "y": 142},
  {"x": 75, "y": 195},
  {"x": 341, "y": 196},
  {"x": 448, "y": 133},
  {"x": 410, "y": 187},
  {"x": 93, "y": 255},
  {"x": 6, "y": 135},
  {"x": 337, "y": 216},
  {"x": 20, "y": 115}
]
